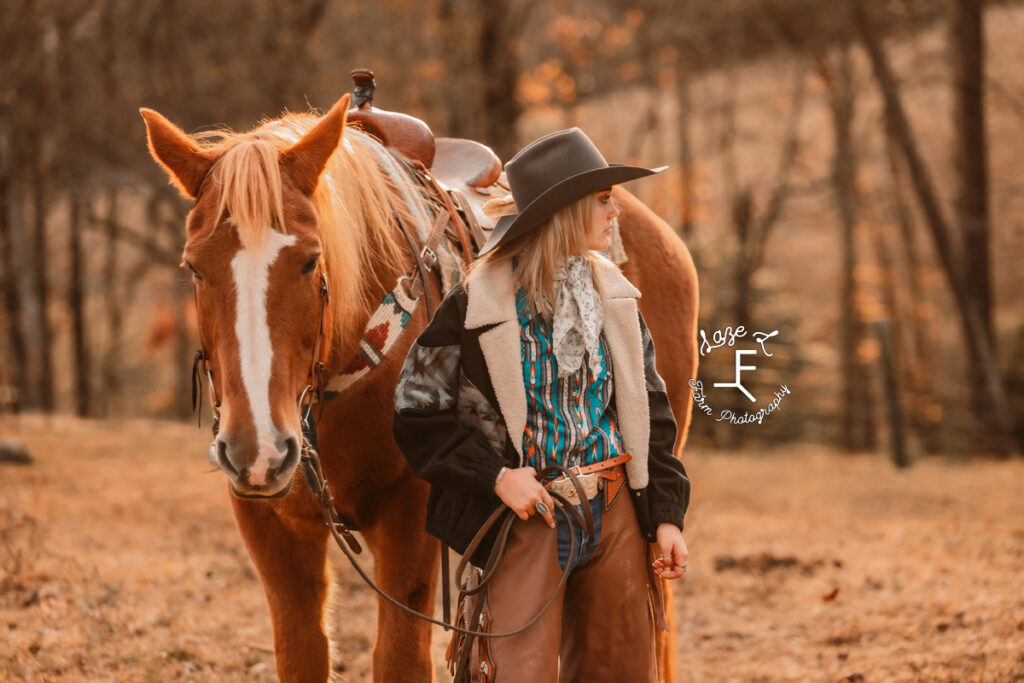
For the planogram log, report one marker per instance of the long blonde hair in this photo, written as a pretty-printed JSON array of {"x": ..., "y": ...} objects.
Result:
[{"x": 541, "y": 250}]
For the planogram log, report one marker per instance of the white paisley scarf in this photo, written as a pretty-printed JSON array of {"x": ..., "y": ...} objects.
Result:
[{"x": 578, "y": 317}]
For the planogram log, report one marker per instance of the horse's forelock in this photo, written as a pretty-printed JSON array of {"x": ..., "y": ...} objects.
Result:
[
  {"x": 355, "y": 201},
  {"x": 249, "y": 178}
]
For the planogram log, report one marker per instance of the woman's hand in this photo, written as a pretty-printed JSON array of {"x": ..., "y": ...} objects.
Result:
[
  {"x": 520, "y": 490},
  {"x": 670, "y": 545}
]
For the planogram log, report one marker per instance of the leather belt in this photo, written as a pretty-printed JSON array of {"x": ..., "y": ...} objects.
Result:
[
  {"x": 598, "y": 466},
  {"x": 593, "y": 478}
]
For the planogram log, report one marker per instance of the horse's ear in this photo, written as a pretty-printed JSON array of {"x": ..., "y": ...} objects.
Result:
[
  {"x": 306, "y": 159},
  {"x": 179, "y": 154}
]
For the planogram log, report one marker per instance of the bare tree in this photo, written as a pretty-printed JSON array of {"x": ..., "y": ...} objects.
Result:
[
  {"x": 9, "y": 285},
  {"x": 980, "y": 352},
  {"x": 112, "y": 300},
  {"x": 501, "y": 23},
  {"x": 456, "y": 31},
  {"x": 81, "y": 358},
  {"x": 833, "y": 65},
  {"x": 858, "y": 417},
  {"x": 753, "y": 227},
  {"x": 972, "y": 202},
  {"x": 40, "y": 324},
  {"x": 917, "y": 363}
]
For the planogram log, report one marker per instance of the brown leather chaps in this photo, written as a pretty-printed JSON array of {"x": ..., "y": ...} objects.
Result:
[{"x": 599, "y": 628}]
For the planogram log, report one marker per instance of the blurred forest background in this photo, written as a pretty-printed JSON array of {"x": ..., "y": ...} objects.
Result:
[{"x": 848, "y": 173}]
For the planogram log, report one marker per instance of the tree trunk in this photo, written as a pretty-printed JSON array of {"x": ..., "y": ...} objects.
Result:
[
  {"x": 112, "y": 355},
  {"x": 890, "y": 374},
  {"x": 743, "y": 268},
  {"x": 286, "y": 43},
  {"x": 970, "y": 161},
  {"x": 500, "y": 67},
  {"x": 972, "y": 207},
  {"x": 685, "y": 126},
  {"x": 918, "y": 362},
  {"x": 460, "y": 114},
  {"x": 18, "y": 361},
  {"x": 76, "y": 304},
  {"x": 888, "y": 333},
  {"x": 111, "y": 362},
  {"x": 40, "y": 268},
  {"x": 858, "y": 427}
]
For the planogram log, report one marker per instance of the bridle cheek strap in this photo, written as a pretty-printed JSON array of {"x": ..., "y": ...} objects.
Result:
[{"x": 315, "y": 379}]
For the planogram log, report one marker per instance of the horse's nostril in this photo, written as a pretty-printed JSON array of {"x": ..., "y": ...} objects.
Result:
[
  {"x": 290, "y": 458},
  {"x": 293, "y": 450},
  {"x": 224, "y": 459}
]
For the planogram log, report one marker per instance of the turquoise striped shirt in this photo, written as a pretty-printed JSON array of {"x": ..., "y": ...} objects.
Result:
[{"x": 569, "y": 421}]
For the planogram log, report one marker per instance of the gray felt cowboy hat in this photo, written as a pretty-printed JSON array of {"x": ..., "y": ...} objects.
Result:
[{"x": 552, "y": 172}]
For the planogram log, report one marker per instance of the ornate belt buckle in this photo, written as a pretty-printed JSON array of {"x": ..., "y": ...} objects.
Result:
[{"x": 564, "y": 487}]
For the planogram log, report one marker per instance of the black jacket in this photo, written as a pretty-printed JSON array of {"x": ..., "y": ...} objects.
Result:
[{"x": 459, "y": 393}]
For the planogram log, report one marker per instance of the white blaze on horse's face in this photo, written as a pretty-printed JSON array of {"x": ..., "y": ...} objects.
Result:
[{"x": 251, "y": 269}]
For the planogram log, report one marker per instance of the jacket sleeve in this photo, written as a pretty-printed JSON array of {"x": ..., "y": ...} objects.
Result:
[
  {"x": 440, "y": 448},
  {"x": 669, "y": 487}
]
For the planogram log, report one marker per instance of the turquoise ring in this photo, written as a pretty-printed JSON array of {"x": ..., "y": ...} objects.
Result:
[{"x": 542, "y": 508}]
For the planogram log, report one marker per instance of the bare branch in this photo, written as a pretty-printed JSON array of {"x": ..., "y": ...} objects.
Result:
[
  {"x": 153, "y": 249},
  {"x": 787, "y": 161}
]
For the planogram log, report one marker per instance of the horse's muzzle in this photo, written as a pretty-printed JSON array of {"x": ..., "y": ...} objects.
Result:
[{"x": 274, "y": 481}]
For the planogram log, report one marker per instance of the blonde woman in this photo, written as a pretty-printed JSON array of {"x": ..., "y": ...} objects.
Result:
[{"x": 516, "y": 373}]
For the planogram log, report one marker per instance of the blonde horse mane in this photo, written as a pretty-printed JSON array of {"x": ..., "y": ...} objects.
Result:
[{"x": 353, "y": 199}]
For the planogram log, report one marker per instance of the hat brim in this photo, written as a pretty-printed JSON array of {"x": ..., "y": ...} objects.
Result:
[{"x": 560, "y": 195}]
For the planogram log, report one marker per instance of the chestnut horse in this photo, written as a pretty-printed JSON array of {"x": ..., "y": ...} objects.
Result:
[{"x": 277, "y": 211}]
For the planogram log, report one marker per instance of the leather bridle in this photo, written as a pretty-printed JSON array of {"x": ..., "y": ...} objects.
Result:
[{"x": 312, "y": 393}]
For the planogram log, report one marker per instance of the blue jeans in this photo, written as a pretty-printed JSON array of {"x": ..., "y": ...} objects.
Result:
[{"x": 584, "y": 544}]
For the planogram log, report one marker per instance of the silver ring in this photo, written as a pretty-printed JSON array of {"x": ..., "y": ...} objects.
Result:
[{"x": 541, "y": 508}]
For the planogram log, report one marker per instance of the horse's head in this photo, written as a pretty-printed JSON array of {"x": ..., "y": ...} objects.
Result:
[{"x": 254, "y": 252}]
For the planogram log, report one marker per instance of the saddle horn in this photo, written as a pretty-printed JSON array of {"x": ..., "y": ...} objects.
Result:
[{"x": 408, "y": 135}]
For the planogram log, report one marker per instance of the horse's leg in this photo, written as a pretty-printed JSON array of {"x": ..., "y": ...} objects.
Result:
[
  {"x": 290, "y": 554},
  {"x": 407, "y": 568}
]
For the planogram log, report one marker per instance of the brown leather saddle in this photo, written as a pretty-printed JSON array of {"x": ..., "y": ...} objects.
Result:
[{"x": 468, "y": 170}]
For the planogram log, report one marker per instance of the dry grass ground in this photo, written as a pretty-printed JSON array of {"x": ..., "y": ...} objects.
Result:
[{"x": 119, "y": 560}]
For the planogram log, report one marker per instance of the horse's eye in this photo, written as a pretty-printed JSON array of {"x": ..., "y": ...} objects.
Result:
[
  {"x": 310, "y": 264},
  {"x": 195, "y": 273}
]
